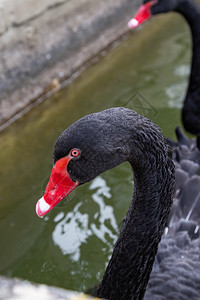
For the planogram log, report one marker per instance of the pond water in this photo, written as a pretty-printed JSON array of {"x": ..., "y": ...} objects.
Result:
[{"x": 72, "y": 244}]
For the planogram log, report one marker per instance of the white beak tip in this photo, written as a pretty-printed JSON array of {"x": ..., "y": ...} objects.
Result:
[
  {"x": 133, "y": 23},
  {"x": 42, "y": 207}
]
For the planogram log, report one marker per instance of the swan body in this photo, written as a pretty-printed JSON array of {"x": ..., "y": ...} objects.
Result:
[{"x": 175, "y": 274}]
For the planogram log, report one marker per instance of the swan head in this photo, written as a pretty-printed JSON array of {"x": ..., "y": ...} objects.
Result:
[
  {"x": 87, "y": 148},
  {"x": 99, "y": 142},
  {"x": 150, "y": 8},
  {"x": 96, "y": 143}
]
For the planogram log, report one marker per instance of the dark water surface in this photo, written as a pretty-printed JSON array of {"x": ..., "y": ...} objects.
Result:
[{"x": 71, "y": 246}]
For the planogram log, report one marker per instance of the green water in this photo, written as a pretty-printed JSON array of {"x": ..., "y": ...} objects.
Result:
[{"x": 71, "y": 246}]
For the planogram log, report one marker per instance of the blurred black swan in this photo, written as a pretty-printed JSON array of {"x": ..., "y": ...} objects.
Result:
[{"x": 190, "y": 10}]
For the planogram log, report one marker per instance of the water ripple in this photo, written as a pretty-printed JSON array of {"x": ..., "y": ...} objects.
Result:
[{"x": 73, "y": 229}]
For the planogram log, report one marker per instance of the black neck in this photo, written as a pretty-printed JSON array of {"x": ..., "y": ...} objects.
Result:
[
  {"x": 190, "y": 10},
  {"x": 128, "y": 271},
  {"x": 191, "y": 110}
]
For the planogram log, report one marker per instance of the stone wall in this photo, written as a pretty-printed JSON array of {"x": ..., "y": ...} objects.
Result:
[{"x": 43, "y": 42}]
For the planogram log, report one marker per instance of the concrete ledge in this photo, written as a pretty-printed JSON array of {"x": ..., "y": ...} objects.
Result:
[
  {"x": 15, "y": 289},
  {"x": 20, "y": 11},
  {"x": 45, "y": 42}
]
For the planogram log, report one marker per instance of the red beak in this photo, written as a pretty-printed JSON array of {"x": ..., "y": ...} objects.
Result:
[
  {"x": 59, "y": 186},
  {"x": 143, "y": 14}
]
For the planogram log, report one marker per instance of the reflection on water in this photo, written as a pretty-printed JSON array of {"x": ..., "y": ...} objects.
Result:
[
  {"x": 176, "y": 92},
  {"x": 105, "y": 214},
  {"x": 182, "y": 70},
  {"x": 72, "y": 230}
]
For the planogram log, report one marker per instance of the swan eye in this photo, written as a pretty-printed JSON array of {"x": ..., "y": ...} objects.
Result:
[{"x": 75, "y": 152}]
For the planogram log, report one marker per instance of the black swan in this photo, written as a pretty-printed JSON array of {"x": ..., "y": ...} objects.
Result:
[
  {"x": 190, "y": 10},
  {"x": 101, "y": 141}
]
